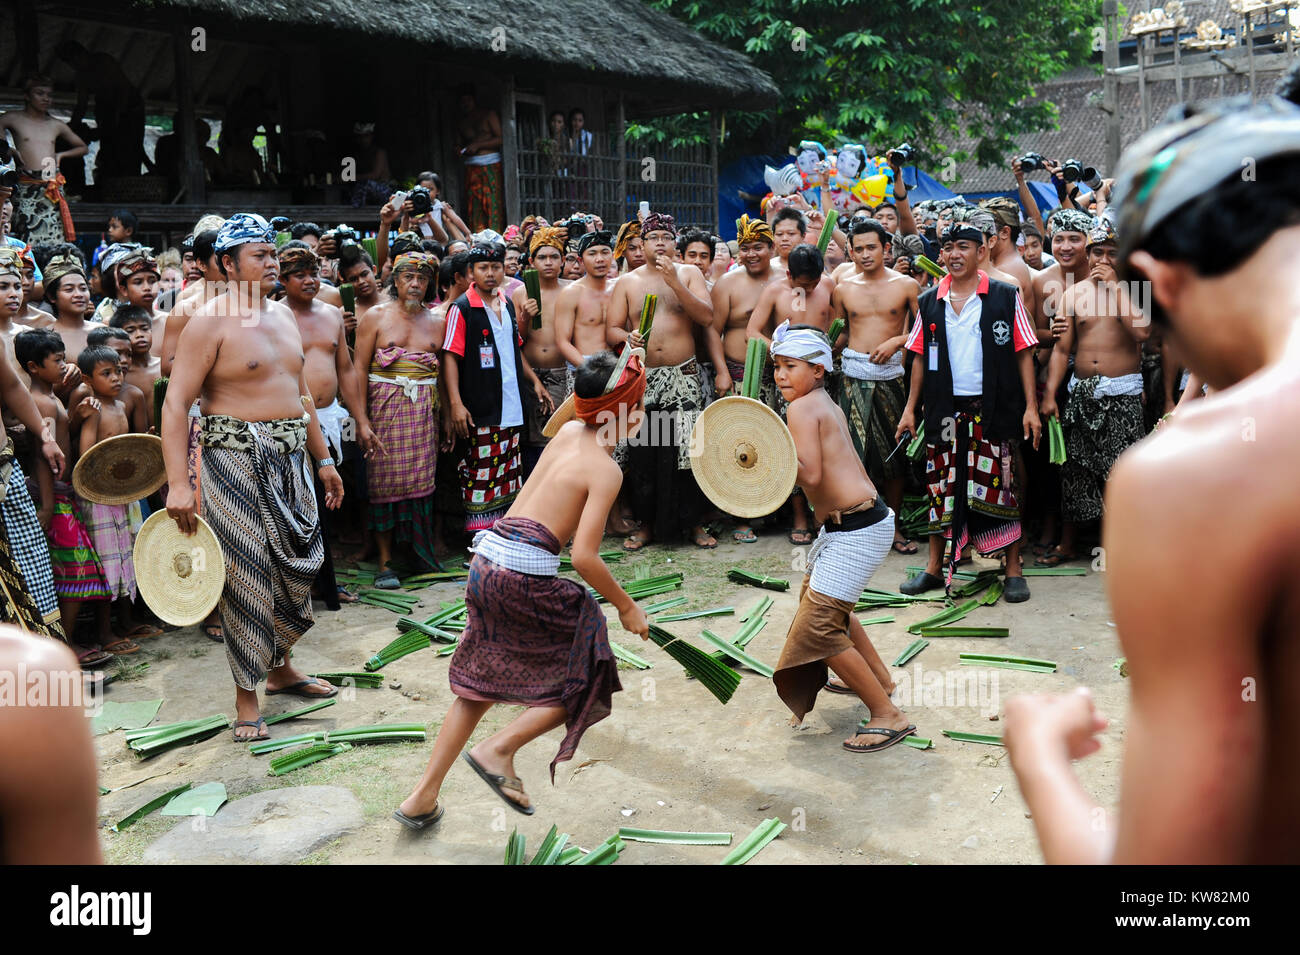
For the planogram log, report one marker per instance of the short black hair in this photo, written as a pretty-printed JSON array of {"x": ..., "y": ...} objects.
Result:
[
  {"x": 300, "y": 229},
  {"x": 130, "y": 313},
  {"x": 576, "y": 111},
  {"x": 127, "y": 218},
  {"x": 794, "y": 215},
  {"x": 863, "y": 226},
  {"x": 350, "y": 256},
  {"x": 689, "y": 236},
  {"x": 36, "y": 344},
  {"x": 295, "y": 244},
  {"x": 446, "y": 275},
  {"x": 103, "y": 334},
  {"x": 460, "y": 264},
  {"x": 1219, "y": 230},
  {"x": 1028, "y": 229},
  {"x": 592, "y": 376},
  {"x": 433, "y": 247},
  {"x": 93, "y": 355},
  {"x": 432, "y": 176},
  {"x": 806, "y": 261},
  {"x": 205, "y": 245}
]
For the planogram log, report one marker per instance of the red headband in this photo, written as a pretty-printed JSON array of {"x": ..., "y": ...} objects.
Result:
[{"x": 628, "y": 392}]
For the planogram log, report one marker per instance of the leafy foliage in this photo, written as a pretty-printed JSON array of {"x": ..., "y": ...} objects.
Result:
[{"x": 888, "y": 71}]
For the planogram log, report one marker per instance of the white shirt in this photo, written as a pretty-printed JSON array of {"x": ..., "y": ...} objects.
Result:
[
  {"x": 503, "y": 332},
  {"x": 965, "y": 349}
]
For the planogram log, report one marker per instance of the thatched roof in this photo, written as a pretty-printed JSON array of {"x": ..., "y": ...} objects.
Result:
[{"x": 622, "y": 43}]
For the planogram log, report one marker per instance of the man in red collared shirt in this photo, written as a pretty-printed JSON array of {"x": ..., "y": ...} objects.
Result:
[{"x": 975, "y": 343}]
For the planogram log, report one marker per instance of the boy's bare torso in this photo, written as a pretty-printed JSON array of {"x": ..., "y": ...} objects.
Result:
[{"x": 556, "y": 492}]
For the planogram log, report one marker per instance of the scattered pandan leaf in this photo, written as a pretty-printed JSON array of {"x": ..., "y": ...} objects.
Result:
[
  {"x": 299, "y": 758},
  {"x": 918, "y": 742},
  {"x": 676, "y": 838},
  {"x": 696, "y": 614},
  {"x": 964, "y": 631},
  {"x": 763, "y": 833},
  {"x": 913, "y": 648},
  {"x": 1007, "y": 663},
  {"x": 1121, "y": 665},
  {"x": 736, "y": 653},
  {"x": 151, "y": 806},
  {"x": 628, "y": 657},
  {"x": 736, "y": 575},
  {"x": 973, "y": 738},
  {"x": 294, "y": 714}
]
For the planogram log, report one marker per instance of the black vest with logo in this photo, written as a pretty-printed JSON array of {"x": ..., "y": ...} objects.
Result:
[
  {"x": 480, "y": 388},
  {"x": 1004, "y": 395}
]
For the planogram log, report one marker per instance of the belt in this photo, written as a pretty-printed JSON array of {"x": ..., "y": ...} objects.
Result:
[
  {"x": 408, "y": 385},
  {"x": 856, "y": 518}
]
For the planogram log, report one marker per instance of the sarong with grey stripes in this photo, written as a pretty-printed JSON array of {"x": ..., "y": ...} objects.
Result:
[{"x": 258, "y": 498}]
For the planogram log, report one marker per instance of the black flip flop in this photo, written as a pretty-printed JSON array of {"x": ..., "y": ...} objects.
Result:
[
  {"x": 832, "y": 688},
  {"x": 259, "y": 722},
  {"x": 419, "y": 823},
  {"x": 296, "y": 690},
  {"x": 495, "y": 783},
  {"x": 891, "y": 737}
]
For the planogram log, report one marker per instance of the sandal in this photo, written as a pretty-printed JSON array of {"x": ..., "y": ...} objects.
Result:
[
  {"x": 142, "y": 631},
  {"x": 804, "y": 534},
  {"x": 419, "y": 823},
  {"x": 214, "y": 632},
  {"x": 1054, "y": 557},
  {"x": 836, "y": 687},
  {"x": 634, "y": 543},
  {"x": 497, "y": 783},
  {"x": 258, "y": 737},
  {"x": 90, "y": 659},
  {"x": 297, "y": 689},
  {"x": 747, "y": 536},
  {"x": 122, "y": 647},
  {"x": 891, "y": 737},
  {"x": 905, "y": 546},
  {"x": 346, "y": 596},
  {"x": 704, "y": 537}
]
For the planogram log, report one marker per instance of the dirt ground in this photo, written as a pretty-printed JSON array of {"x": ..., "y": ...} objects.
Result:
[{"x": 670, "y": 756}]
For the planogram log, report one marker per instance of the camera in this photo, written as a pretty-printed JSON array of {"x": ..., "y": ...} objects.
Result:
[
  {"x": 1031, "y": 161},
  {"x": 8, "y": 167},
  {"x": 576, "y": 225},
  {"x": 905, "y": 153},
  {"x": 421, "y": 201},
  {"x": 343, "y": 235},
  {"x": 1075, "y": 171}
]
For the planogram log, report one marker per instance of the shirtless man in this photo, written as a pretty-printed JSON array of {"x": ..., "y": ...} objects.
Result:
[
  {"x": 1068, "y": 234},
  {"x": 629, "y": 248},
  {"x": 1102, "y": 328},
  {"x": 1209, "y": 773},
  {"x": 31, "y": 316},
  {"x": 801, "y": 296},
  {"x": 734, "y": 296},
  {"x": 480, "y": 138},
  {"x": 36, "y": 135},
  {"x": 580, "y": 309},
  {"x": 329, "y": 373},
  {"x": 665, "y": 495},
  {"x": 357, "y": 269},
  {"x": 877, "y": 305},
  {"x": 1004, "y": 255},
  {"x": 242, "y": 356},
  {"x": 546, "y": 255}
]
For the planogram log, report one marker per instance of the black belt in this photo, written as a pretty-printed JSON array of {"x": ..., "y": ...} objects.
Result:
[{"x": 859, "y": 519}]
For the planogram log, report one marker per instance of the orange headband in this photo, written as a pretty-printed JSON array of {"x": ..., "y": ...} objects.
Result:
[{"x": 627, "y": 393}]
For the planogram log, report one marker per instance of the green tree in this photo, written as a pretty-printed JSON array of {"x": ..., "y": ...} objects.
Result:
[{"x": 886, "y": 71}]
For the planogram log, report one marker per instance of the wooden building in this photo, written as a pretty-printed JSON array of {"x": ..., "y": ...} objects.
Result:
[{"x": 300, "y": 73}]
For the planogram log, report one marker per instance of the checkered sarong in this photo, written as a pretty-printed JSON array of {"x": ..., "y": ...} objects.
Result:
[
  {"x": 840, "y": 563},
  {"x": 403, "y": 408},
  {"x": 27, "y": 544}
]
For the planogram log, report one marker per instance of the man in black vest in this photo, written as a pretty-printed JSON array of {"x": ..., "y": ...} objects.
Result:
[
  {"x": 975, "y": 342},
  {"x": 484, "y": 369}
]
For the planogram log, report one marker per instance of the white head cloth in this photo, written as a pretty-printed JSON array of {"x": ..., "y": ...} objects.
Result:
[{"x": 806, "y": 344}]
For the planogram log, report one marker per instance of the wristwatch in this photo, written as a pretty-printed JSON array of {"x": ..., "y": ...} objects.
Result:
[{"x": 324, "y": 463}]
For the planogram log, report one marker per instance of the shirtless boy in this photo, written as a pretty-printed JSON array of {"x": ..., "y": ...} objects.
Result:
[
  {"x": 855, "y": 537},
  {"x": 36, "y": 134},
  {"x": 878, "y": 305},
  {"x": 546, "y": 255},
  {"x": 143, "y": 370},
  {"x": 1209, "y": 769},
  {"x": 515, "y": 564}
]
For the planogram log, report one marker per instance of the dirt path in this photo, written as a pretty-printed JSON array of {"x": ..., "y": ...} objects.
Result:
[{"x": 670, "y": 757}]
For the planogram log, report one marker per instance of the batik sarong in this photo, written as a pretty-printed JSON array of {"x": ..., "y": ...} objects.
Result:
[
  {"x": 532, "y": 638},
  {"x": 1102, "y": 420},
  {"x": 840, "y": 565},
  {"x": 109, "y": 527},
  {"x": 26, "y": 541},
  {"x": 485, "y": 197},
  {"x": 971, "y": 485},
  {"x": 664, "y": 492},
  {"x": 873, "y": 407},
  {"x": 403, "y": 409},
  {"x": 557, "y": 382},
  {"x": 490, "y": 475},
  {"x": 258, "y": 498},
  {"x": 41, "y": 214},
  {"x": 78, "y": 572}
]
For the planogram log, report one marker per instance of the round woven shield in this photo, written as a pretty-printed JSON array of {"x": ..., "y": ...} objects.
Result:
[
  {"x": 743, "y": 457},
  {"x": 121, "y": 470},
  {"x": 180, "y": 578},
  {"x": 562, "y": 416}
]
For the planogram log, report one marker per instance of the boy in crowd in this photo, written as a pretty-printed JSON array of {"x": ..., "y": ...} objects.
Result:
[
  {"x": 144, "y": 368},
  {"x": 857, "y": 531}
]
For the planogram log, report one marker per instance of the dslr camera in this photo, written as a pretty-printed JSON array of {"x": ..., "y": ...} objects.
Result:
[
  {"x": 1075, "y": 171},
  {"x": 421, "y": 201},
  {"x": 343, "y": 234},
  {"x": 1032, "y": 161},
  {"x": 576, "y": 225},
  {"x": 905, "y": 154}
]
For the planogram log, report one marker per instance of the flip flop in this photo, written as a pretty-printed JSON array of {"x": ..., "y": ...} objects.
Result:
[
  {"x": 261, "y": 733},
  {"x": 891, "y": 737},
  {"x": 805, "y": 533},
  {"x": 296, "y": 689},
  {"x": 746, "y": 537},
  {"x": 388, "y": 581},
  {"x": 89, "y": 661},
  {"x": 346, "y": 596},
  {"x": 214, "y": 632},
  {"x": 127, "y": 646},
  {"x": 142, "y": 631},
  {"x": 419, "y": 823},
  {"x": 1054, "y": 557},
  {"x": 497, "y": 783},
  {"x": 901, "y": 547},
  {"x": 836, "y": 688}
]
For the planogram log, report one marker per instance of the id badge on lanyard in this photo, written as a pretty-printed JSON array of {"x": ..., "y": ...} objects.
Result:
[
  {"x": 486, "y": 356},
  {"x": 932, "y": 349}
]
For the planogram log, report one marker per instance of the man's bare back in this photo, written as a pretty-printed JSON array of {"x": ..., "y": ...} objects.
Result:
[{"x": 572, "y": 466}]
